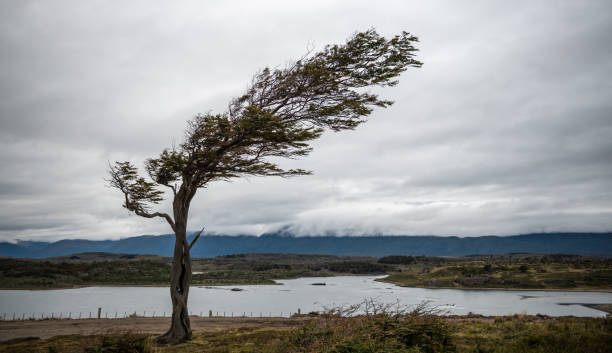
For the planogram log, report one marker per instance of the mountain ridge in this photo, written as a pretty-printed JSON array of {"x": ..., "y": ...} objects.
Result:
[{"x": 593, "y": 244}]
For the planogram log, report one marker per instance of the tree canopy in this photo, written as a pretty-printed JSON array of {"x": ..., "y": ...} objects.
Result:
[{"x": 279, "y": 114}]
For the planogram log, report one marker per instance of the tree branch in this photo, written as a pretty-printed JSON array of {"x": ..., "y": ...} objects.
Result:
[
  {"x": 156, "y": 214},
  {"x": 196, "y": 238},
  {"x": 172, "y": 187}
]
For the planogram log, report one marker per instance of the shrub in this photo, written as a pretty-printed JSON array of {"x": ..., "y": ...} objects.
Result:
[
  {"x": 125, "y": 343},
  {"x": 397, "y": 260},
  {"x": 379, "y": 330},
  {"x": 356, "y": 267}
]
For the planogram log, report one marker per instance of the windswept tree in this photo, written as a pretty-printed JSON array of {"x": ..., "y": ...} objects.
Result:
[{"x": 280, "y": 113}]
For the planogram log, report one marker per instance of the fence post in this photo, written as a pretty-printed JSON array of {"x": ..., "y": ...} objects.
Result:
[{"x": 99, "y": 312}]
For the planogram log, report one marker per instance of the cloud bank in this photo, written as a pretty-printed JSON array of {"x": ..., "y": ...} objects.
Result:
[{"x": 507, "y": 128}]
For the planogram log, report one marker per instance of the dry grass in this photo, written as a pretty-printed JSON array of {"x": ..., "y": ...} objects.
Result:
[{"x": 376, "y": 332}]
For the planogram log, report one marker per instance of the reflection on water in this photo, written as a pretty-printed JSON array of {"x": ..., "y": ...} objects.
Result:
[{"x": 293, "y": 294}]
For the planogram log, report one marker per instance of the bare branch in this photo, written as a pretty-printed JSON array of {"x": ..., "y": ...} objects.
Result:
[
  {"x": 157, "y": 214},
  {"x": 196, "y": 238}
]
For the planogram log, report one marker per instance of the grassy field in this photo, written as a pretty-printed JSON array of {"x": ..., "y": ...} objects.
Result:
[
  {"x": 383, "y": 332},
  {"x": 108, "y": 269},
  {"x": 264, "y": 268},
  {"x": 517, "y": 271},
  {"x": 40, "y": 274},
  {"x": 504, "y": 271}
]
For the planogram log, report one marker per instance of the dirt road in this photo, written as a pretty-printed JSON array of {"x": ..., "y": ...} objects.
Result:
[{"x": 50, "y": 328}]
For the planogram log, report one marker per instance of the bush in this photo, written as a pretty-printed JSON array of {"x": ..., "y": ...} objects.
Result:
[
  {"x": 356, "y": 267},
  {"x": 126, "y": 343},
  {"x": 380, "y": 330},
  {"x": 397, "y": 260}
]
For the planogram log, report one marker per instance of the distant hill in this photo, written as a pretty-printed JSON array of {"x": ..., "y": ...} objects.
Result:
[{"x": 594, "y": 244}]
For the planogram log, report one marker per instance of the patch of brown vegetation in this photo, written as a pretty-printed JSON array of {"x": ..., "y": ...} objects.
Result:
[{"x": 49, "y": 328}]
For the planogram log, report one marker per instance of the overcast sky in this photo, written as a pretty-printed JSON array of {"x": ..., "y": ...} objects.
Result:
[{"x": 506, "y": 129}]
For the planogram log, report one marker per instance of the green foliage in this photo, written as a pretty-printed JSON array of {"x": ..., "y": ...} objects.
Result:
[
  {"x": 356, "y": 267},
  {"x": 397, "y": 260},
  {"x": 497, "y": 271},
  {"x": 139, "y": 270},
  {"x": 166, "y": 170},
  {"x": 125, "y": 343},
  {"x": 44, "y": 274},
  {"x": 139, "y": 193},
  {"x": 118, "y": 343},
  {"x": 521, "y": 333},
  {"x": 244, "y": 339},
  {"x": 508, "y": 271},
  {"x": 263, "y": 268},
  {"x": 279, "y": 115},
  {"x": 416, "y": 260},
  {"x": 378, "y": 332}
]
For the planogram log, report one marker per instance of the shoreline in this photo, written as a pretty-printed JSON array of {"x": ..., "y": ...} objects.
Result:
[
  {"x": 156, "y": 325},
  {"x": 144, "y": 285},
  {"x": 606, "y": 308},
  {"x": 597, "y": 290},
  {"x": 87, "y": 286},
  {"x": 381, "y": 280}
]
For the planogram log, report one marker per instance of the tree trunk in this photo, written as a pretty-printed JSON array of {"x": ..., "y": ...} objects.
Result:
[{"x": 180, "y": 327}]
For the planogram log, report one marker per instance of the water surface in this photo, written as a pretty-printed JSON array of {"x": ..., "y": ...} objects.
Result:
[{"x": 270, "y": 300}]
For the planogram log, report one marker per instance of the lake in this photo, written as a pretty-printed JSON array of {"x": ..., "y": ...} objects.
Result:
[{"x": 286, "y": 298}]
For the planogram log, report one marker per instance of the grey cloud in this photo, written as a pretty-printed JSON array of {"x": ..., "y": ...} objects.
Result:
[{"x": 505, "y": 129}]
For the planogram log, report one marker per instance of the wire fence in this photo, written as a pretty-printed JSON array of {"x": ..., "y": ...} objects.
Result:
[{"x": 15, "y": 316}]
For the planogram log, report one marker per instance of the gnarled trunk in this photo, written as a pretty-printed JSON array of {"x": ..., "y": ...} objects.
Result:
[{"x": 180, "y": 327}]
